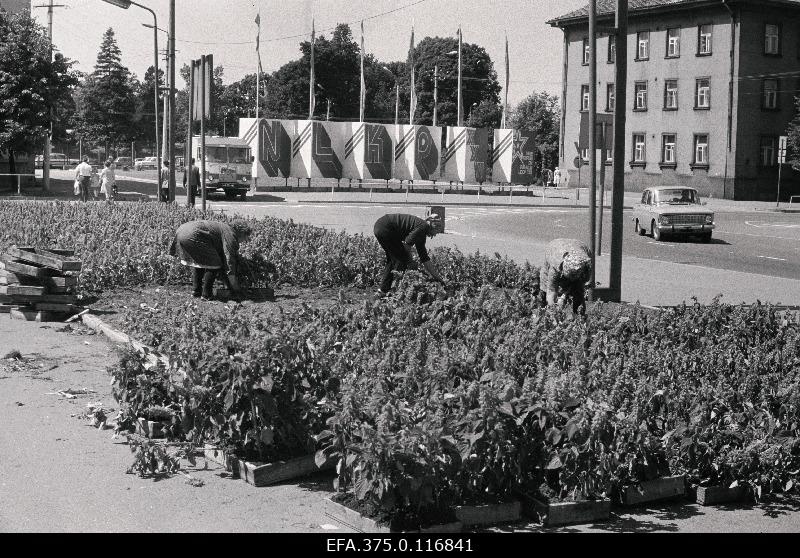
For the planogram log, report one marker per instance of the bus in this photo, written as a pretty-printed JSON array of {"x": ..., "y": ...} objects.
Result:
[{"x": 229, "y": 165}]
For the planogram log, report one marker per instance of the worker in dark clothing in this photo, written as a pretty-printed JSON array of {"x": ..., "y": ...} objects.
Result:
[
  {"x": 212, "y": 249},
  {"x": 397, "y": 233},
  {"x": 567, "y": 269},
  {"x": 192, "y": 176}
]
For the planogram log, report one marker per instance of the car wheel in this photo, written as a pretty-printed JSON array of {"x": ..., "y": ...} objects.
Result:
[
  {"x": 705, "y": 238},
  {"x": 639, "y": 228},
  {"x": 657, "y": 234},
  {"x": 243, "y": 195},
  {"x": 230, "y": 195}
]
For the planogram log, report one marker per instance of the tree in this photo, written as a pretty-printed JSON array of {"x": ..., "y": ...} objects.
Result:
[
  {"x": 479, "y": 80},
  {"x": 793, "y": 140},
  {"x": 106, "y": 101},
  {"x": 539, "y": 113},
  {"x": 30, "y": 84},
  {"x": 145, "y": 105}
]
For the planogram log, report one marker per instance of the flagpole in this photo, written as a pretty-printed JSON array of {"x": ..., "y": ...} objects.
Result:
[
  {"x": 413, "y": 101},
  {"x": 505, "y": 94},
  {"x": 258, "y": 69},
  {"x": 311, "y": 99},
  {"x": 396, "y": 104},
  {"x": 363, "y": 96},
  {"x": 460, "y": 103}
]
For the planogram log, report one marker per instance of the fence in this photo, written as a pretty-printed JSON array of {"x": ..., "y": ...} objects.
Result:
[{"x": 19, "y": 180}]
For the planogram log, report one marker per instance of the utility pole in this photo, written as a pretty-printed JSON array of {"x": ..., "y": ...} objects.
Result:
[
  {"x": 593, "y": 139},
  {"x": 435, "y": 91},
  {"x": 49, "y": 138},
  {"x": 618, "y": 191},
  {"x": 171, "y": 100}
]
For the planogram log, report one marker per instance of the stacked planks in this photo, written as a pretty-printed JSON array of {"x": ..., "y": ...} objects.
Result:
[{"x": 38, "y": 284}]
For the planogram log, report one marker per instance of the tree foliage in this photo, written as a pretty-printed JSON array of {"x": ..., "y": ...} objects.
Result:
[
  {"x": 30, "y": 84},
  {"x": 793, "y": 140},
  {"x": 539, "y": 113}
]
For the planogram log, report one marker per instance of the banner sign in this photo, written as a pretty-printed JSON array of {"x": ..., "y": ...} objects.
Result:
[
  {"x": 513, "y": 156},
  {"x": 271, "y": 144},
  {"x": 464, "y": 154},
  {"x": 369, "y": 151}
]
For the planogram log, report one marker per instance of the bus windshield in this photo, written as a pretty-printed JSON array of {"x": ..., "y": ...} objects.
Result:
[
  {"x": 238, "y": 155},
  {"x": 215, "y": 154}
]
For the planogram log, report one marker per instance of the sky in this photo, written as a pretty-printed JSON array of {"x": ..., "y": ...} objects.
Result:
[{"x": 227, "y": 30}]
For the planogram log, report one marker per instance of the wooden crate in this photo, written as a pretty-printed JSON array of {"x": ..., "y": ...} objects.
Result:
[
  {"x": 709, "y": 495},
  {"x": 21, "y": 290},
  {"x": 33, "y": 299},
  {"x": 264, "y": 474},
  {"x": 46, "y": 258},
  {"x": 489, "y": 514},
  {"x": 651, "y": 491},
  {"x": 566, "y": 513},
  {"x": 21, "y": 268},
  {"x": 149, "y": 428},
  {"x": 356, "y": 521}
]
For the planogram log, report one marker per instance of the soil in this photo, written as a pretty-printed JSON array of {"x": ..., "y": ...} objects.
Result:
[{"x": 407, "y": 522}]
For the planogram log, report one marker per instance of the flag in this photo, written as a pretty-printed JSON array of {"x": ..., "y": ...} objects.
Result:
[
  {"x": 505, "y": 93},
  {"x": 460, "y": 103},
  {"x": 311, "y": 97},
  {"x": 363, "y": 96},
  {"x": 413, "y": 104}
]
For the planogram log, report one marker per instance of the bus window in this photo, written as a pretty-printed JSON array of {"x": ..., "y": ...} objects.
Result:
[
  {"x": 215, "y": 154},
  {"x": 238, "y": 155}
]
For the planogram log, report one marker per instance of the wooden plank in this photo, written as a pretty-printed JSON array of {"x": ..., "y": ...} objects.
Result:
[
  {"x": 22, "y": 290},
  {"x": 489, "y": 514},
  {"x": 221, "y": 457},
  {"x": 264, "y": 474},
  {"x": 53, "y": 307},
  {"x": 566, "y": 513},
  {"x": 149, "y": 428},
  {"x": 65, "y": 281},
  {"x": 709, "y": 495},
  {"x": 7, "y": 308},
  {"x": 31, "y": 299},
  {"x": 654, "y": 490},
  {"x": 20, "y": 268},
  {"x": 59, "y": 251},
  {"x": 45, "y": 258},
  {"x": 354, "y": 520}
]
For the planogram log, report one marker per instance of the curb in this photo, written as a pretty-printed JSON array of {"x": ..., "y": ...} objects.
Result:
[
  {"x": 120, "y": 338},
  {"x": 448, "y": 204}
]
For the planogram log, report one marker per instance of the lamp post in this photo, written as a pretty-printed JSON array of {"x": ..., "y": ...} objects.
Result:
[{"x": 125, "y": 4}]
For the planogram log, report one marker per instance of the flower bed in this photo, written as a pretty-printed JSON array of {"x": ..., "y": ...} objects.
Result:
[{"x": 428, "y": 402}]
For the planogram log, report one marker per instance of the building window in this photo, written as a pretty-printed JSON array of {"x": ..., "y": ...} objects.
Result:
[
  {"x": 770, "y": 97},
  {"x": 671, "y": 94},
  {"x": 586, "y": 52},
  {"x": 640, "y": 95},
  {"x": 610, "y": 97},
  {"x": 643, "y": 45},
  {"x": 585, "y": 154},
  {"x": 639, "y": 150},
  {"x": 612, "y": 49},
  {"x": 668, "y": 149},
  {"x": 584, "y": 98},
  {"x": 673, "y": 42},
  {"x": 772, "y": 38},
  {"x": 700, "y": 150},
  {"x": 704, "y": 40},
  {"x": 702, "y": 94},
  {"x": 768, "y": 151}
]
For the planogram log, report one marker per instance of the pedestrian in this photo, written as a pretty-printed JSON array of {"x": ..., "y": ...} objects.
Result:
[
  {"x": 163, "y": 181},
  {"x": 83, "y": 174},
  {"x": 193, "y": 174},
  {"x": 549, "y": 179},
  {"x": 397, "y": 233},
  {"x": 567, "y": 269},
  {"x": 108, "y": 183},
  {"x": 211, "y": 248},
  {"x": 557, "y": 177}
]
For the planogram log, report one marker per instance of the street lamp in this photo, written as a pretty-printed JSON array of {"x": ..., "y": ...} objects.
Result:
[{"x": 125, "y": 4}]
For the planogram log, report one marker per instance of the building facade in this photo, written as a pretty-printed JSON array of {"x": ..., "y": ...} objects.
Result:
[
  {"x": 710, "y": 89},
  {"x": 15, "y": 6}
]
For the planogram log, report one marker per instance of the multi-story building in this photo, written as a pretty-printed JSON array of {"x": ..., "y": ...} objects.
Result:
[
  {"x": 15, "y": 6},
  {"x": 711, "y": 86}
]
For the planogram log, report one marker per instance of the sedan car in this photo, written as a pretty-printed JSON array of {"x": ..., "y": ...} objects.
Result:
[
  {"x": 673, "y": 210},
  {"x": 146, "y": 163}
]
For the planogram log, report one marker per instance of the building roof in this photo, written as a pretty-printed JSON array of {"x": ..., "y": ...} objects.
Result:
[{"x": 608, "y": 7}]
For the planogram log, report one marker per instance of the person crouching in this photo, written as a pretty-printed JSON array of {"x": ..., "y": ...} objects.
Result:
[
  {"x": 397, "y": 233},
  {"x": 567, "y": 269},
  {"x": 211, "y": 248}
]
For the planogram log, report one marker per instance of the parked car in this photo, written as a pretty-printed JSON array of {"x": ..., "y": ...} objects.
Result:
[
  {"x": 123, "y": 163},
  {"x": 146, "y": 163},
  {"x": 672, "y": 210},
  {"x": 57, "y": 161}
]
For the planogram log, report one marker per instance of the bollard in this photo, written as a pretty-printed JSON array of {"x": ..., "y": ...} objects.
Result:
[
  {"x": 370, "y": 193},
  {"x": 510, "y": 193},
  {"x": 407, "y": 183}
]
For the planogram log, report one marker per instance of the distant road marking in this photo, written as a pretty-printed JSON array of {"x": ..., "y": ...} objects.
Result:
[
  {"x": 771, "y": 258},
  {"x": 762, "y": 224},
  {"x": 758, "y": 235}
]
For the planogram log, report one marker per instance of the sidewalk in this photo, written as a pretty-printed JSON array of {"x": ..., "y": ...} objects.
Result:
[{"x": 57, "y": 474}]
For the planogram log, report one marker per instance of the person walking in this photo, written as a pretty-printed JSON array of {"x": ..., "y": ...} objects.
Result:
[
  {"x": 193, "y": 174},
  {"x": 557, "y": 177},
  {"x": 163, "y": 182},
  {"x": 211, "y": 248},
  {"x": 108, "y": 184},
  {"x": 83, "y": 174},
  {"x": 397, "y": 233},
  {"x": 567, "y": 269}
]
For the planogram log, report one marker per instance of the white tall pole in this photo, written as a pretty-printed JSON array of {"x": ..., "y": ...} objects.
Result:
[{"x": 460, "y": 101}]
